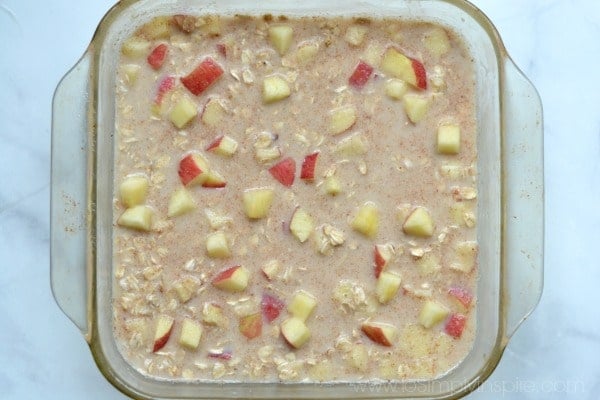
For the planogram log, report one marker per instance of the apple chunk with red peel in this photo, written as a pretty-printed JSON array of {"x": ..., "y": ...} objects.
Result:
[
  {"x": 183, "y": 112},
  {"x": 301, "y": 225},
  {"x": 455, "y": 325},
  {"x": 284, "y": 171},
  {"x": 193, "y": 169},
  {"x": 191, "y": 332},
  {"x": 461, "y": 295},
  {"x": 366, "y": 220},
  {"x": 203, "y": 76},
  {"x": 224, "y": 146},
  {"x": 419, "y": 223},
  {"x": 382, "y": 255},
  {"x": 166, "y": 84},
  {"x": 133, "y": 190},
  {"x": 257, "y": 202},
  {"x": 251, "y": 325},
  {"x": 307, "y": 172},
  {"x": 214, "y": 180},
  {"x": 361, "y": 75},
  {"x": 381, "y": 333},
  {"x": 271, "y": 307},
  {"x": 164, "y": 327},
  {"x": 408, "y": 69},
  {"x": 181, "y": 202},
  {"x": 432, "y": 314},
  {"x": 388, "y": 284},
  {"x": 157, "y": 57},
  {"x": 302, "y": 305},
  {"x": 295, "y": 332},
  {"x": 233, "y": 279},
  {"x": 137, "y": 217}
]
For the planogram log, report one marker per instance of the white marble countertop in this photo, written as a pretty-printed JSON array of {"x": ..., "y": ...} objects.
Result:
[{"x": 555, "y": 353}]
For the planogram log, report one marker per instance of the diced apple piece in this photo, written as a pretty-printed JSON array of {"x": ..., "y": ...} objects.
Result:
[
  {"x": 302, "y": 305},
  {"x": 251, "y": 325},
  {"x": 185, "y": 23},
  {"x": 157, "y": 56},
  {"x": 448, "y": 139},
  {"x": 131, "y": 71},
  {"x": 181, "y": 202},
  {"x": 355, "y": 34},
  {"x": 284, "y": 171},
  {"x": 217, "y": 246},
  {"x": 220, "y": 354},
  {"x": 166, "y": 84},
  {"x": 192, "y": 169},
  {"x": 359, "y": 357},
  {"x": 214, "y": 180},
  {"x": 164, "y": 327},
  {"x": 307, "y": 172},
  {"x": 361, "y": 75},
  {"x": 429, "y": 264},
  {"x": 280, "y": 37},
  {"x": 432, "y": 314},
  {"x": 419, "y": 223},
  {"x": 455, "y": 325},
  {"x": 216, "y": 220},
  {"x": 137, "y": 217},
  {"x": 191, "y": 332},
  {"x": 379, "y": 332},
  {"x": 212, "y": 314},
  {"x": 183, "y": 112},
  {"x": 306, "y": 52},
  {"x": 135, "y": 47},
  {"x": 436, "y": 42},
  {"x": 185, "y": 288},
  {"x": 274, "y": 88},
  {"x": 408, "y": 69},
  {"x": 395, "y": 88},
  {"x": 366, "y": 220},
  {"x": 382, "y": 255},
  {"x": 301, "y": 225},
  {"x": 465, "y": 256},
  {"x": 233, "y": 279},
  {"x": 158, "y": 28},
  {"x": 295, "y": 332},
  {"x": 415, "y": 106},
  {"x": 269, "y": 154},
  {"x": 271, "y": 307},
  {"x": 213, "y": 113},
  {"x": 224, "y": 146},
  {"x": 271, "y": 268},
  {"x": 462, "y": 296},
  {"x": 257, "y": 202},
  {"x": 203, "y": 76},
  {"x": 373, "y": 54},
  {"x": 388, "y": 284},
  {"x": 341, "y": 119},
  {"x": 332, "y": 185},
  {"x": 354, "y": 145},
  {"x": 133, "y": 190}
]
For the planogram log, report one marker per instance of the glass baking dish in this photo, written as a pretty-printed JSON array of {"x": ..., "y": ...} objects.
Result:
[{"x": 510, "y": 213}]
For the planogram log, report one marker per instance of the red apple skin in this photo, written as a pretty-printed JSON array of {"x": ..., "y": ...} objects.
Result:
[
  {"x": 165, "y": 85},
  {"x": 271, "y": 307},
  {"x": 188, "y": 170},
  {"x": 205, "y": 74},
  {"x": 224, "y": 355},
  {"x": 420, "y": 74},
  {"x": 162, "y": 341},
  {"x": 375, "y": 334},
  {"x": 222, "y": 49},
  {"x": 214, "y": 185},
  {"x": 379, "y": 262},
  {"x": 361, "y": 75},
  {"x": 462, "y": 295},
  {"x": 455, "y": 325},
  {"x": 284, "y": 171},
  {"x": 226, "y": 274},
  {"x": 157, "y": 56},
  {"x": 251, "y": 325},
  {"x": 307, "y": 172},
  {"x": 215, "y": 143}
]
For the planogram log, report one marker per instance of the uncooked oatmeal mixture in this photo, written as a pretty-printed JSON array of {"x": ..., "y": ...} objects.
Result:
[{"x": 295, "y": 199}]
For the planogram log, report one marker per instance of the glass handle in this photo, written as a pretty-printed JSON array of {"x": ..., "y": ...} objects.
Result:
[
  {"x": 69, "y": 213},
  {"x": 523, "y": 225}
]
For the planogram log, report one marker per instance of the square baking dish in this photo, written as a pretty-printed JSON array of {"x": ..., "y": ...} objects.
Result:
[{"x": 510, "y": 211}]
